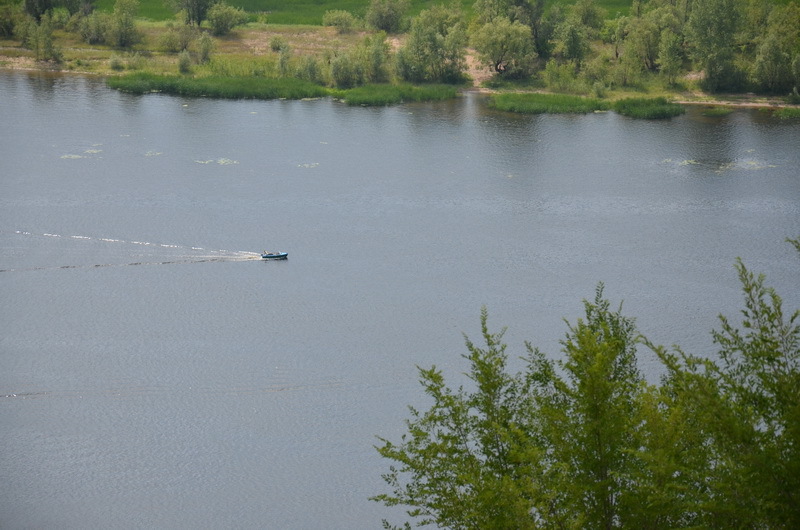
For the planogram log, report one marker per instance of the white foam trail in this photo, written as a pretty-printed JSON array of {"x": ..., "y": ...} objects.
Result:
[{"x": 212, "y": 255}]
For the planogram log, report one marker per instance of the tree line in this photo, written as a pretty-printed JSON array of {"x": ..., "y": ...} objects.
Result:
[
  {"x": 732, "y": 45},
  {"x": 736, "y": 44},
  {"x": 585, "y": 442}
]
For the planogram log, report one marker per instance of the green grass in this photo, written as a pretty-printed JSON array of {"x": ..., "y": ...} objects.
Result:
[
  {"x": 546, "y": 103},
  {"x": 248, "y": 87},
  {"x": 150, "y": 9},
  {"x": 218, "y": 87},
  {"x": 311, "y": 11},
  {"x": 787, "y": 113},
  {"x": 296, "y": 12},
  {"x": 382, "y": 95},
  {"x": 648, "y": 108},
  {"x": 717, "y": 111}
]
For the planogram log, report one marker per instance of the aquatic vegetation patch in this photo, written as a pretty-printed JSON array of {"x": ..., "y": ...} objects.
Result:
[
  {"x": 546, "y": 103},
  {"x": 787, "y": 113},
  {"x": 717, "y": 111},
  {"x": 648, "y": 108},
  {"x": 217, "y": 87},
  {"x": 248, "y": 87},
  {"x": 385, "y": 94}
]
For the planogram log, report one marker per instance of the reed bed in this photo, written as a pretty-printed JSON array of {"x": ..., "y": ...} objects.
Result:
[
  {"x": 648, "y": 108},
  {"x": 218, "y": 87},
  {"x": 787, "y": 113},
  {"x": 248, "y": 87},
  {"x": 717, "y": 111},
  {"x": 383, "y": 94},
  {"x": 547, "y": 103}
]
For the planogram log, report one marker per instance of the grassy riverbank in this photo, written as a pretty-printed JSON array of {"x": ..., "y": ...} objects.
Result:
[{"x": 252, "y": 62}]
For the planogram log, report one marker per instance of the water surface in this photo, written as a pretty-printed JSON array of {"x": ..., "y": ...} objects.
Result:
[{"x": 153, "y": 374}]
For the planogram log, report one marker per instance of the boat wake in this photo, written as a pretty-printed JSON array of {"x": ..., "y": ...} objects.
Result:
[{"x": 188, "y": 254}]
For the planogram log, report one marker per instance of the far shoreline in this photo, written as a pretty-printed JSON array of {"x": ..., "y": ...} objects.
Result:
[{"x": 734, "y": 100}]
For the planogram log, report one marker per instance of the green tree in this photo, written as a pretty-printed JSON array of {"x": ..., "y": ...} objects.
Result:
[
  {"x": 37, "y": 8},
  {"x": 468, "y": 462},
  {"x": 436, "y": 47},
  {"x": 584, "y": 442},
  {"x": 743, "y": 413},
  {"x": 530, "y": 449},
  {"x": 10, "y": 16},
  {"x": 588, "y": 416},
  {"x": 123, "y": 24},
  {"x": 195, "y": 10},
  {"x": 38, "y": 37},
  {"x": 778, "y": 49},
  {"x": 711, "y": 32},
  {"x": 670, "y": 55},
  {"x": 572, "y": 42},
  {"x": 526, "y": 12},
  {"x": 589, "y": 14},
  {"x": 506, "y": 46}
]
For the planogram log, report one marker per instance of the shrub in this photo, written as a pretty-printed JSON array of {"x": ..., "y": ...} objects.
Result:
[
  {"x": 93, "y": 28},
  {"x": 309, "y": 70},
  {"x": 562, "y": 78},
  {"x": 25, "y": 31},
  {"x": 346, "y": 72},
  {"x": 223, "y": 18},
  {"x": 122, "y": 31},
  {"x": 205, "y": 45},
  {"x": 184, "y": 62},
  {"x": 648, "y": 108},
  {"x": 284, "y": 61},
  {"x": 343, "y": 21},
  {"x": 115, "y": 63},
  {"x": 60, "y": 17},
  {"x": 387, "y": 15},
  {"x": 178, "y": 39},
  {"x": 135, "y": 61},
  {"x": 276, "y": 43}
]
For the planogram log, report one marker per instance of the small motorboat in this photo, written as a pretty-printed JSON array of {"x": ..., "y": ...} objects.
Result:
[{"x": 274, "y": 255}]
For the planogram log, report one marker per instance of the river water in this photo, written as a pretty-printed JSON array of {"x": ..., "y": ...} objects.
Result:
[{"x": 153, "y": 374}]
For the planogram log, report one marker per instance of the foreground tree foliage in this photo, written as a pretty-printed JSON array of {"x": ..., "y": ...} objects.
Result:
[{"x": 585, "y": 442}]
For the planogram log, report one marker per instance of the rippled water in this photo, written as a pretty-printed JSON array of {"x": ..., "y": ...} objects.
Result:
[{"x": 155, "y": 373}]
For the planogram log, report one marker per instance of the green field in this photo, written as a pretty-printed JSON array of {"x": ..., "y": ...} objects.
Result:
[
  {"x": 311, "y": 11},
  {"x": 278, "y": 11}
]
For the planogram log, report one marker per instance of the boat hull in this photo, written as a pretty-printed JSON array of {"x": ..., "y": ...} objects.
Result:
[{"x": 273, "y": 256}]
